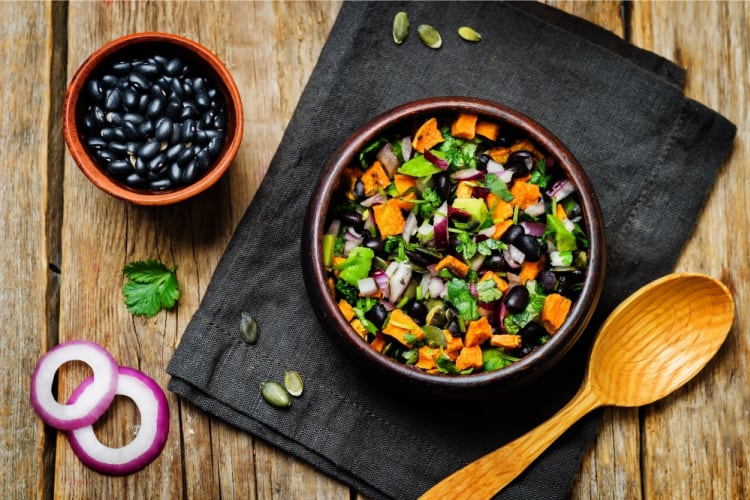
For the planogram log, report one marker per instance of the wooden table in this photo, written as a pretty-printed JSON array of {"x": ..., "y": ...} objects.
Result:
[{"x": 64, "y": 244}]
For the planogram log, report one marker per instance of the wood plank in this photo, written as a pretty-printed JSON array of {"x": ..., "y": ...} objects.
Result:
[
  {"x": 708, "y": 418},
  {"x": 217, "y": 459},
  {"x": 27, "y": 286}
]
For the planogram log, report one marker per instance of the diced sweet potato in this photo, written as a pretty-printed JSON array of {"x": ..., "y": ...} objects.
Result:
[
  {"x": 499, "y": 208},
  {"x": 501, "y": 227},
  {"x": 530, "y": 270},
  {"x": 453, "y": 345},
  {"x": 402, "y": 328},
  {"x": 378, "y": 343},
  {"x": 464, "y": 126},
  {"x": 469, "y": 357},
  {"x": 488, "y": 129},
  {"x": 375, "y": 178},
  {"x": 455, "y": 266},
  {"x": 464, "y": 189},
  {"x": 560, "y": 213},
  {"x": 554, "y": 312},
  {"x": 525, "y": 193},
  {"x": 404, "y": 185},
  {"x": 388, "y": 218},
  {"x": 359, "y": 327},
  {"x": 505, "y": 341},
  {"x": 478, "y": 332},
  {"x": 427, "y": 136},
  {"x": 427, "y": 355},
  {"x": 346, "y": 310},
  {"x": 502, "y": 285}
]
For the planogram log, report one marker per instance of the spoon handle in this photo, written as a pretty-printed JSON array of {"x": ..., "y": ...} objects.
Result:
[{"x": 489, "y": 474}]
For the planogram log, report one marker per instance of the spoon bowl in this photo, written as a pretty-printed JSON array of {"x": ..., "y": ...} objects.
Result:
[{"x": 649, "y": 346}]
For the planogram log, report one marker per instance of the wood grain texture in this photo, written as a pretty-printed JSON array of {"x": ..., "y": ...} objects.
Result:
[{"x": 692, "y": 445}]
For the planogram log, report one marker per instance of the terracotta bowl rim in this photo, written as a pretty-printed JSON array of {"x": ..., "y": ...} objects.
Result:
[
  {"x": 89, "y": 167},
  {"x": 528, "y": 367}
]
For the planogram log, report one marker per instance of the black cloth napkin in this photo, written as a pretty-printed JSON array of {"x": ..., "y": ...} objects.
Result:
[{"x": 652, "y": 155}]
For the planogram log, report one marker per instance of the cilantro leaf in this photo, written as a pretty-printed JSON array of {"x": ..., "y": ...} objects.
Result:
[
  {"x": 487, "y": 291},
  {"x": 460, "y": 296},
  {"x": 431, "y": 202},
  {"x": 494, "y": 359},
  {"x": 466, "y": 245},
  {"x": 150, "y": 286},
  {"x": 539, "y": 175},
  {"x": 497, "y": 187},
  {"x": 485, "y": 247}
]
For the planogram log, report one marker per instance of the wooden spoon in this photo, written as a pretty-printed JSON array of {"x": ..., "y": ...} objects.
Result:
[{"x": 651, "y": 344}]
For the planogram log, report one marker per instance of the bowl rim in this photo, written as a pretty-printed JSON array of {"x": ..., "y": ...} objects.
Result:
[
  {"x": 99, "y": 177},
  {"x": 528, "y": 367}
]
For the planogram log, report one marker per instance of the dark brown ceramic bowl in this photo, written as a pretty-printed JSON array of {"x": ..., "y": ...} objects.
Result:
[
  {"x": 142, "y": 45},
  {"x": 413, "y": 380}
]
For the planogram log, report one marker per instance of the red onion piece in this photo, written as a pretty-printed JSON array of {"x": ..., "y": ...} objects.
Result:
[
  {"x": 388, "y": 159},
  {"x": 435, "y": 160},
  {"x": 99, "y": 392},
  {"x": 536, "y": 209},
  {"x": 406, "y": 148},
  {"x": 534, "y": 228},
  {"x": 399, "y": 281},
  {"x": 468, "y": 174},
  {"x": 152, "y": 434},
  {"x": 437, "y": 287},
  {"x": 381, "y": 279},
  {"x": 367, "y": 287},
  {"x": 561, "y": 189},
  {"x": 410, "y": 227},
  {"x": 375, "y": 199},
  {"x": 440, "y": 228}
]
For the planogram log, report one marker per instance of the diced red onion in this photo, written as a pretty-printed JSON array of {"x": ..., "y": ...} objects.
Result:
[
  {"x": 375, "y": 199},
  {"x": 458, "y": 214},
  {"x": 410, "y": 227},
  {"x": 96, "y": 397},
  {"x": 424, "y": 284},
  {"x": 561, "y": 189},
  {"x": 406, "y": 148},
  {"x": 495, "y": 168},
  {"x": 388, "y": 159},
  {"x": 152, "y": 434},
  {"x": 440, "y": 226},
  {"x": 485, "y": 309},
  {"x": 502, "y": 311},
  {"x": 435, "y": 160},
  {"x": 487, "y": 232},
  {"x": 426, "y": 232},
  {"x": 513, "y": 279},
  {"x": 381, "y": 278},
  {"x": 468, "y": 174},
  {"x": 351, "y": 244},
  {"x": 437, "y": 287},
  {"x": 534, "y": 228},
  {"x": 367, "y": 287},
  {"x": 514, "y": 256},
  {"x": 334, "y": 227},
  {"x": 473, "y": 290},
  {"x": 399, "y": 281},
  {"x": 477, "y": 261},
  {"x": 536, "y": 209}
]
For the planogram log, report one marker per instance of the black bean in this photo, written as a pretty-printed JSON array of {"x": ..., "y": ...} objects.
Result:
[
  {"x": 375, "y": 244},
  {"x": 145, "y": 129},
  {"x": 530, "y": 247},
  {"x": 96, "y": 142},
  {"x": 156, "y": 92},
  {"x": 173, "y": 109},
  {"x": 203, "y": 159},
  {"x": 352, "y": 218},
  {"x": 118, "y": 147},
  {"x": 176, "y": 136},
  {"x": 175, "y": 173},
  {"x": 130, "y": 130},
  {"x": 147, "y": 69},
  {"x": 100, "y": 117},
  {"x": 190, "y": 172},
  {"x": 496, "y": 262},
  {"x": 105, "y": 155},
  {"x": 119, "y": 168},
  {"x": 113, "y": 99},
  {"x": 173, "y": 152},
  {"x": 94, "y": 90},
  {"x": 201, "y": 137},
  {"x": 163, "y": 129},
  {"x": 110, "y": 81},
  {"x": 418, "y": 311},
  {"x": 211, "y": 92},
  {"x": 188, "y": 130},
  {"x": 140, "y": 166},
  {"x": 516, "y": 299},
  {"x": 132, "y": 147},
  {"x": 547, "y": 281},
  {"x": 199, "y": 84},
  {"x": 160, "y": 184},
  {"x": 512, "y": 233},
  {"x": 207, "y": 119},
  {"x": 89, "y": 123},
  {"x": 520, "y": 163},
  {"x": 113, "y": 134},
  {"x": 202, "y": 100},
  {"x": 175, "y": 88},
  {"x": 157, "y": 163},
  {"x": 532, "y": 333},
  {"x": 185, "y": 156},
  {"x": 138, "y": 81},
  {"x": 114, "y": 118},
  {"x": 135, "y": 180},
  {"x": 377, "y": 315},
  {"x": 454, "y": 328},
  {"x": 188, "y": 111},
  {"x": 149, "y": 150},
  {"x": 214, "y": 147},
  {"x": 133, "y": 118},
  {"x": 442, "y": 185},
  {"x": 121, "y": 68},
  {"x": 187, "y": 90},
  {"x": 419, "y": 258},
  {"x": 155, "y": 107},
  {"x": 174, "y": 66},
  {"x": 158, "y": 59},
  {"x": 482, "y": 161},
  {"x": 220, "y": 122},
  {"x": 143, "y": 102}
]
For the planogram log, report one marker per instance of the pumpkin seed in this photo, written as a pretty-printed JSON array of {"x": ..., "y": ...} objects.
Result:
[
  {"x": 275, "y": 394},
  {"x": 400, "y": 27},
  {"x": 429, "y": 36},
  {"x": 293, "y": 383},
  {"x": 434, "y": 336},
  {"x": 248, "y": 328},
  {"x": 469, "y": 34}
]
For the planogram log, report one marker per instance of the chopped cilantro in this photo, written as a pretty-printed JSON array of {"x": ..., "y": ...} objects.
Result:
[
  {"x": 150, "y": 287},
  {"x": 485, "y": 247},
  {"x": 487, "y": 291},
  {"x": 514, "y": 322},
  {"x": 466, "y": 245},
  {"x": 495, "y": 359},
  {"x": 497, "y": 187},
  {"x": 539, "y": 175},
  {"x": 430, "y": 202},
  {"x": 462, "y": 299}
]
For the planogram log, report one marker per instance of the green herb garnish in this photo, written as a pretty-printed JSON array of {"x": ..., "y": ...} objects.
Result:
[{"x": 150, "y": 287}]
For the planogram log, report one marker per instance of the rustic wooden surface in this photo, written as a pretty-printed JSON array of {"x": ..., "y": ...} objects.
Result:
[{"x": 64, "y": 244}]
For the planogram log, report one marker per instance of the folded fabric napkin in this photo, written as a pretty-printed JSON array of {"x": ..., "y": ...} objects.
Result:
[{"x": 652, "y": 155}]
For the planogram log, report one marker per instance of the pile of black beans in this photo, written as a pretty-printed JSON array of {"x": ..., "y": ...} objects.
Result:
[{"x": 153, "y": 123}]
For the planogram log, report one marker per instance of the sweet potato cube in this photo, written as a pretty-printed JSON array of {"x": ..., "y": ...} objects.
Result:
[
  {"x": 488, "y": 129},
  {"x": 346, "y": 310},
  {"x": 427, "y": 355},
  {"x": 402, "y": 328},
  {"x": 530, "y": 270},
  {"x": 478, "y": 332},
  {"x": 427, "y": 136},
  {"x": 388, "y": 218},
  {"x": 501, "y": 227},
  {"x": 464, "y": 126},
  {"x": 464, "y": 189},
  {"x": 554, "y": 312},
  {"x": 375, "y": 178},
  {"x": 455, "y": 266},
  {"x": 525, "y": 193},
  {"x": 404, "y": 185},
  {"x": 502, "y": 285},
  {"x": 469, "y": 357},
  {"x": 505, "y": 341}
]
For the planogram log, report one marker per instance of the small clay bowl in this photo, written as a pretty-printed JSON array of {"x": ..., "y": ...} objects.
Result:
[
  {"x": 408, "y": 379},
  {"x": 201, "y": 63}
]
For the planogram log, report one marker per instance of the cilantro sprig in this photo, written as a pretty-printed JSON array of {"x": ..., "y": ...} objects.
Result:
[{"x": 150, "y": 287}]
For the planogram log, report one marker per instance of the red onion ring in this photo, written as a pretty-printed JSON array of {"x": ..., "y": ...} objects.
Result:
[
  {"x": 151, "y": 437},
  {"x": 99, "y": 392}
]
